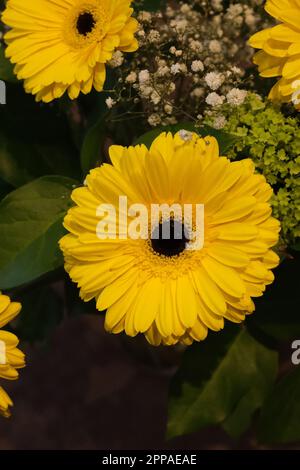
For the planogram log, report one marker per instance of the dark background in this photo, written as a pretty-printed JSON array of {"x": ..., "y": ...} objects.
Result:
[{"x": 87, "y": 389}]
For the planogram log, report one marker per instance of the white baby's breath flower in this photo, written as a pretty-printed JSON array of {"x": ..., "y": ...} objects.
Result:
[
  {"x": 153, "y": 36},
  {"x": 175, "y": 68},
  {"x": 198, "y": 92},
  {"x": 196, "y": 46},
  {"x": 236, "y": 97},
  {"x": 215, "y": 46},
  {"x": 234, "y": 10},
  {"x": 110, "y": 102},
  {"x": 155, "y": 98},
  {"x": 168, "y": 109},
  {"x": 141, "y": 33},
  {"x": 236, "y": 70},
  {"x": 213, "y": 99},
  {"x": 163, "y": 70},
  {"x": 170, "y": 120},
  {"x": 296, "y": 93},
  {"x": 179, "y": 25},
  {"x": 154, "y": 120},
  {"x": 217, "y": 5},
  {"x": 197, "y": 66},
  {"x": 296, "y": 84},
  {"x": 116, "y": 60},
  {"x": 219, "y": 122},
  {"x": 185, "y": 8},
  {"x": 214, "y": 80},
  {"x": 187, "y": 136},
  {"x": 233, "y": 49},
  {"x": 144, "y": 76},
  {"x": 171, "y": 87},
  {"x": 145, "y": 90},
  {"x": 131, "y": 78},
  {"x": 144, "y": 16},
  {"x": 170, "y": 12}
]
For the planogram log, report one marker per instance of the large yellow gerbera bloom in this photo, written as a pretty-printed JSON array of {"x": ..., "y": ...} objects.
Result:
[
  {"x": 158, "y": 286},
  {"x": 280, "y": 54},
  {"x": 63, "y": 45},
  {"x": 11, "y": 358}
]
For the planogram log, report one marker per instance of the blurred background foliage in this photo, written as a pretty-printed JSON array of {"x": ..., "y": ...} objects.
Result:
[{"x": 239, "y": 378}]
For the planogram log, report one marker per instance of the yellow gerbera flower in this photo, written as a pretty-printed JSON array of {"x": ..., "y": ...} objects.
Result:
[
  {"x": 11, "y": 358},
  {"x": 280, "y": 54},
  {"x": 158, "y": 286},
  {"x": 63, "y": 45}
]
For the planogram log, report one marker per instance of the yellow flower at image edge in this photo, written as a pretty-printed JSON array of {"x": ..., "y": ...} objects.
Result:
[
  {"x": 63, "y": 45},
  {"x": 159, "y": 287},
  {"x": 11, "y": 358},
  {"x": 280, "y": 54}
]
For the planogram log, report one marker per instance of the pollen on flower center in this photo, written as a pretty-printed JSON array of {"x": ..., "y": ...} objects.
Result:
[
  {"x": 168, "y": 238},
  {"x": 85, "y": 23}
]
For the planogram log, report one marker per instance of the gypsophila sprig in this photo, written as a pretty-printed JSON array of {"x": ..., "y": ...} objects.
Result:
[{"x": 191, "y": 56}]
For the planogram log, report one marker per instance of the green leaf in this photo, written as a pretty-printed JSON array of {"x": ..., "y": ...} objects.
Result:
[
  {"x": 225, "y": 140},
  {"x": 218, "y": 379},
  {"x": 277, "y": 311},
  {"x": 92, "y": 154},
  {"x": 280, "y": 417},
  {"x": 35, "y": 140},
  {"x": 42, "y": 311},
  {"x": 6, "y": 67},
  {"x": 30, "y": 228},
  {"x": 240, "y": 419}
]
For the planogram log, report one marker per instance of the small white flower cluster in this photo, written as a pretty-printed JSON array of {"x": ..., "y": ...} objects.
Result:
[
  {"x": 191, "y": 60},
  {"x": 110, "y": 102},
  {"x": 236, "y": 97},
  {"x": 116, "y": 60}
]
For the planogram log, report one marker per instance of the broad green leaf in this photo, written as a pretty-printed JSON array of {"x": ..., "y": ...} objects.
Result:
[
  {"x": 92, "y": 147},
  {"x": 34, "y": 140},
  {"x": 240, "y": 419},
  {"x": 6, "y": 67},
  {"x": 42, "y": 311},
  {"x": 214, "y": 379},
  {"x": 224, "y": 139},
  {"x": 277, "y": 311},
  {"x": 30, "y": 227},
  {"x": 280, "y": 417}
]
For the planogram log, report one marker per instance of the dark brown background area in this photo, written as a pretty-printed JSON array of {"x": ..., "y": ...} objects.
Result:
[{"x": 91, "y": 390}]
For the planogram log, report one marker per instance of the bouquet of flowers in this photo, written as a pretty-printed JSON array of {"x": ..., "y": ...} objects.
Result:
[{"x": 149, "y": 175}]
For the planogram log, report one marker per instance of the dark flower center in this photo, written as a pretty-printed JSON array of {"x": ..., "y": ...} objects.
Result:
[
  {"x": 168, "y": 238},
  {"x": 85, "y": 23}
]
